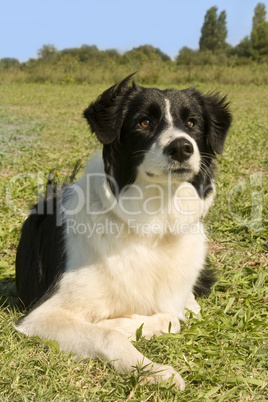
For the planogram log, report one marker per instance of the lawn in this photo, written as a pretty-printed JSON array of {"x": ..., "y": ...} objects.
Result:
[{"x": 223, "y": 352}]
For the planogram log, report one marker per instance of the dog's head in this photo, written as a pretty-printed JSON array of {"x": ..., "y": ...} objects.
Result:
[{"x": 149, "y": 134}]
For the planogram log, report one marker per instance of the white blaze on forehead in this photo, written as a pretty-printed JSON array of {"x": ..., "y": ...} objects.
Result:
[
  {"x": 157, "y": 162},
  {"x": 168, "y": 114}
]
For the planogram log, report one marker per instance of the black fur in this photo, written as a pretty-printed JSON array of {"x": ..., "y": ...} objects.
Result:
[
  {"x": 207, "y": 278},
  {"x": 41, "y": 255},
  {"x": 106, "y": 114}
]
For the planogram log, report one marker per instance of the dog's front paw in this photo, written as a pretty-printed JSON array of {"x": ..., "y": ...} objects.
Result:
[
  {"x": 166, "y": 374},
  {"x": 159, "y": 324}
]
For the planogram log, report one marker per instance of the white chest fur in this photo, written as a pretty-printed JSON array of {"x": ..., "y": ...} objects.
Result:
[
  {"x": 138, "y": 279},
  {"x": 124, "y": 261}
]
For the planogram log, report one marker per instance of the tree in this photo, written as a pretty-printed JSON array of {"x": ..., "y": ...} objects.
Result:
[
  {"x": 214, "y": 31},
  {"x": 147, "y": 53},
  {"x": 259, "y": 33},
  {"x": 222, "y": 31},
  {"x": 47, "y": 52},
  {"x": 9, "y": 62},
  {"x": 259, "y": 40},
  {"x": 244, "y": 48},
  {"x": 84, "y": 54},
  {"x": 259, "y": 15},
  {"x": 186, "y": 56}
]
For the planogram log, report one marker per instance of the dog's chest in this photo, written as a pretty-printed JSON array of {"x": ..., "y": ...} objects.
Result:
[{"x": 141, "y": 276}]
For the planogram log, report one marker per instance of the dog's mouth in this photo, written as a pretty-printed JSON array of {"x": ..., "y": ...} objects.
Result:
[{"x": 183, "y": 173}]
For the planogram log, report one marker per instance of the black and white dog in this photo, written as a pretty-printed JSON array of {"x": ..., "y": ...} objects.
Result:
[{"x": 124, "y": 246}]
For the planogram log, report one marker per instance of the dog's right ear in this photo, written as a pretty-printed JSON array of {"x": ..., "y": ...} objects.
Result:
[{"x": 105, "y": 115}]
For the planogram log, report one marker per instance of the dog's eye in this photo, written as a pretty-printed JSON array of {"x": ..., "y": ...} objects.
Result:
[
  {"x": 145, "y": 123},
  {"x": 190, "y": 123}
]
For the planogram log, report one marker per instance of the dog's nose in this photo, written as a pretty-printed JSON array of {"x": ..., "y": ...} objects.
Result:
[{"x": 180, "y": 149}]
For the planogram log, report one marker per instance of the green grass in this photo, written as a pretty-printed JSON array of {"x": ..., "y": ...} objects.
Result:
[
  {"x": 223, "y": 352},
  {"x": 153, "y": 72}
]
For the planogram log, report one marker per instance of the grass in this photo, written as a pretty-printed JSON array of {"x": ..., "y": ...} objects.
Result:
[
  {"x": 70, "y": 71},
  {"x": 223, "y": 352}
]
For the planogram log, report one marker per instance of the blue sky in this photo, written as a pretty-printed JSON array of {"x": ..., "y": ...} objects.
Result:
[{"x": 26, "y": 25}]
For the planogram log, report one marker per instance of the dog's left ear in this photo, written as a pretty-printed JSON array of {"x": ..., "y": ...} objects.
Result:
[
  {"x": 218, "y": 119},
  {"x": 105, "y": 115}
]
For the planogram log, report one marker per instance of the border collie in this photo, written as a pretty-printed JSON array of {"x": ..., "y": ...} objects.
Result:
[{"x": 124, "y": 247}]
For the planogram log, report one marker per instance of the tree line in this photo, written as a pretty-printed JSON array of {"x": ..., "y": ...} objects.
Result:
[
  {"x": 74, "y": 64},
  {"x": 213, "y": 39}
]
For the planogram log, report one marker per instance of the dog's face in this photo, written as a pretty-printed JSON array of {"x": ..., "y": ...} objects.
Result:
[{"x": 151, "y": 134}]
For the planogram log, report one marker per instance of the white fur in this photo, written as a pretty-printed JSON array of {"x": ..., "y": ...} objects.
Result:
[
  {"x": 168, "y": 115},
  {"x": 139, "y": 271}
]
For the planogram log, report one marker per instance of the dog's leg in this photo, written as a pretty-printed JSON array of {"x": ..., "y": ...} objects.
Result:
[
  {"x": 87, "y": 340},
  {"x": 192, "y": 305},
  {"x": 156, "y": 324}
]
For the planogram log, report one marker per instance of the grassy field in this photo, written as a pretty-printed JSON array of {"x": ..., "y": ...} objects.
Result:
[
  {"x": 223, "y": 352},
  {"x": 223, "y": 70}
]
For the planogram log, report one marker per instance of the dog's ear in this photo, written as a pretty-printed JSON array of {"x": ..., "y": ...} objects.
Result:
[
  {"x": 105, "y": 115},
  {"x": 218, "y": 120}
]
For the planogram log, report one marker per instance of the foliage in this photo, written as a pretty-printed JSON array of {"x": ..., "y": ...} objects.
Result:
[
  {"x": 255, "y": 46},
  {"x": 259, "y": 15},
  {"x": 244, "y": 48},
  {"x": 47, "y": 53},
  {"x": 214, "y": 31},
  {"x": 8, "y": 62},
  {"x": 147, "y": 53},
  {"x": 259, "y": 33},
  {"x": 259, "y": 40}
]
